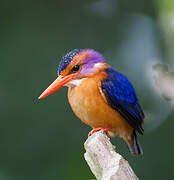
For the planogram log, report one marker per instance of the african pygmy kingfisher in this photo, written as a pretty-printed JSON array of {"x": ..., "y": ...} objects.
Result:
[{"x": 100, "y": 96}]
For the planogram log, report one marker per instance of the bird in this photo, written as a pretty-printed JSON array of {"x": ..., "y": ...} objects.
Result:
[{"x": 100, "y": 96}]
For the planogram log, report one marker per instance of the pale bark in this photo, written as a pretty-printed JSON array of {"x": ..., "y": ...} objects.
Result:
[{"x": 104, "y": 162}]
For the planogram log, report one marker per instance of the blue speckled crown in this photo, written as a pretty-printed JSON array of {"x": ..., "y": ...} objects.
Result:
[{"x": 67, "y": 59}]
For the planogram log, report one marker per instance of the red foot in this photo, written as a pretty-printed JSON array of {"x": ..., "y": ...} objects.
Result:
[{"x": 98, "y": 129}]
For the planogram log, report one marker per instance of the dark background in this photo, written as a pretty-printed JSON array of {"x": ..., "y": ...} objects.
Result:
[{"x": 42, "y": 139}]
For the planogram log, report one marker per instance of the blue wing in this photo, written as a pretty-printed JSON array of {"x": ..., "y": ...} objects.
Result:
[{"x": 121, "y": 96}]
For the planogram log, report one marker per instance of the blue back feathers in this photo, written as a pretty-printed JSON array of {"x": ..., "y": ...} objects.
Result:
[
  {"x": 67, "y": 59},
  {"x": 121, "y": 96}
]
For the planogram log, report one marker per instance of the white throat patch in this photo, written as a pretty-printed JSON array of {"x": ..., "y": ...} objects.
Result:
[{"x": 75, "y": 82}]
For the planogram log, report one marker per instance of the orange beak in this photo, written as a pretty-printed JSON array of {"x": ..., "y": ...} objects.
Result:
[{"x": 57, "y": 84}]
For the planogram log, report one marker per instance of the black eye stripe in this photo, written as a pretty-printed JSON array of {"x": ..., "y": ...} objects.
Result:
[{"x": 75, "y": 68}]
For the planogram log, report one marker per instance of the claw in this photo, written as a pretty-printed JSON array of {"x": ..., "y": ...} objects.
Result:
[{"x": 98, "y": 129}]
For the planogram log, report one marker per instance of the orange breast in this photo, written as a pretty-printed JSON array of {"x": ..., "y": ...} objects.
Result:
[{"x": 90, "y": 106}]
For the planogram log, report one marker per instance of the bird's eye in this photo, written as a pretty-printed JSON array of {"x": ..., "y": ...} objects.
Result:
[{"x": 75, "y": 68}]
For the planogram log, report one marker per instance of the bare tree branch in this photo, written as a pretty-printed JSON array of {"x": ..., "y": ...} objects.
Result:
[{"x": 104, "y": 162}]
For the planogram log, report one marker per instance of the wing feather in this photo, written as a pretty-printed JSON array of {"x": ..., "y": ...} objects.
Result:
[{"x": 121, "y": 96}]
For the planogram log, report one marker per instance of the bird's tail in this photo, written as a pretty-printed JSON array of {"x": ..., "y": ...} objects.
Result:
[{"x": 135, "y": 148}]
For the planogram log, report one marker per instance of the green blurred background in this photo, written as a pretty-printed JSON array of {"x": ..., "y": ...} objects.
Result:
[{"x": 43, "y": 140}]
